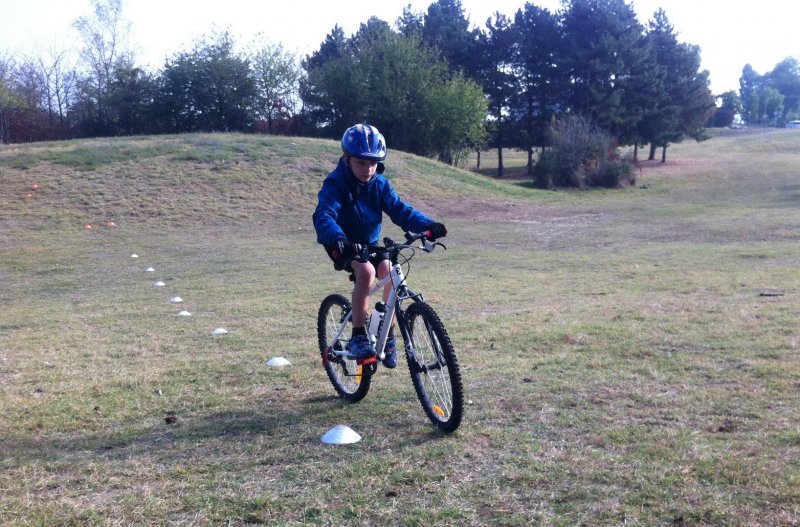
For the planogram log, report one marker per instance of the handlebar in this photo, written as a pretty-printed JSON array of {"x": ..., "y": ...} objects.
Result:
[
  {"x": 428, "y": 245},
  {"x": 364, "y": 252}
]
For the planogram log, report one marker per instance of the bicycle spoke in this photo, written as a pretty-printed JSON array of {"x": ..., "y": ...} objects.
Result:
[
  {"x": 349, "y": 379},
  {"x": 439, "y": 381},
  {"x": 431, "y": 366}
]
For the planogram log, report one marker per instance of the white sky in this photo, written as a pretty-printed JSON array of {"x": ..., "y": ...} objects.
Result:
[{"x": 729, "y": 33}]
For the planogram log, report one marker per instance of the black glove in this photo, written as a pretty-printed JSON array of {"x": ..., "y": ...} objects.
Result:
[
  {"x": 341, "y": 250},
  {"x": 436, "y": 231}
]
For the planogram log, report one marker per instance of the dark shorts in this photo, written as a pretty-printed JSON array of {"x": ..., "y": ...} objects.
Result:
[{"x": 343, "y": 264}]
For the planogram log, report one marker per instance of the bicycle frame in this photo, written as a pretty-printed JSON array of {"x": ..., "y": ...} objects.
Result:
[{"x": 397, "y": 278}]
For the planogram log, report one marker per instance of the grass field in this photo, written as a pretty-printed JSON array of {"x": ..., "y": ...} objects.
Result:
[{"x": 629, "y": 356}]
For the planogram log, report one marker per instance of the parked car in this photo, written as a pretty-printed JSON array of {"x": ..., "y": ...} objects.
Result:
[{"x": 793, "y": 124}]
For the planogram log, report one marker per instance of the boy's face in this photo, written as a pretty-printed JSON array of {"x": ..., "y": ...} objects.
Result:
[{"x": 363, "y": 169}]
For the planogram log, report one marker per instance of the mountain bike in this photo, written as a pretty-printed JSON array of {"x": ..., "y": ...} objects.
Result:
[{"x": 429, "y": 352}]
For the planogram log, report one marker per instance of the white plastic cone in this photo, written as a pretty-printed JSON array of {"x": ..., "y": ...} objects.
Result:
[
  {"x": 341, "y": 435},
  {"x": 184, "y": 314},
  {"x": 160, "y": 284},
  {"x": 176, "y": 300},
  {"x": 219, "y": 331},
  {"x": 149, "y": 270},
  {"x": 278, "y": 362}
]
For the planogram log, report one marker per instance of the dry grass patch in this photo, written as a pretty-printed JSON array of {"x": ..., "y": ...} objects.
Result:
[{"x": 629, "y": 356}]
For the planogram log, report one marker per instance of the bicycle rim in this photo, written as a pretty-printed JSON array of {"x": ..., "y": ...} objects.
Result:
[
  {"x": 434, "y": 368},
  {"x": 350, "y": 380}
]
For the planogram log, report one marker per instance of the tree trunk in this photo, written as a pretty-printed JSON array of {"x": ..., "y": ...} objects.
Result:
[
  {"x": 499, "y": 161},
  {"x": 636, "y": 152},
  {"x": 479, "y": 161},
  {"x": 664, "y": 154},
  {"x": 530, "y": 161},
  {"x": 653, "y": 148}
]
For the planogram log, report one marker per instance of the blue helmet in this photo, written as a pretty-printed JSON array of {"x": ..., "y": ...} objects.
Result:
[{"x": 364, "y": 142}]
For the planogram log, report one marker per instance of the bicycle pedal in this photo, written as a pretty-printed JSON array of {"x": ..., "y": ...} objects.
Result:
[{"x": 367, "y": 361}]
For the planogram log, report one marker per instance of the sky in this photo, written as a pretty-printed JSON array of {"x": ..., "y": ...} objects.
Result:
[{"x": 730, "y": 34}]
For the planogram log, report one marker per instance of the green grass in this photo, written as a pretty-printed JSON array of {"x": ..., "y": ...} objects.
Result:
[{"x": 629, "y": 356}]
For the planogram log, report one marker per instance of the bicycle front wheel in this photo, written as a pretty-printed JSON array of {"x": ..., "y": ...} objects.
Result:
[
  {"x": 434, "y": 368},
  {"x": 350, "y": 380}
]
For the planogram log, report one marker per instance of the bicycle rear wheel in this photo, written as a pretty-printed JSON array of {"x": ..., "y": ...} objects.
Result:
[
  {"x": 350, "y": 380},
  {"x": 434, "y": 367}
]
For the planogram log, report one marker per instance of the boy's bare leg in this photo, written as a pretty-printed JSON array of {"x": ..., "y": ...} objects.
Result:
[
  {"x": 365, "y": 276},
  {"x": 383, "y": 269}
]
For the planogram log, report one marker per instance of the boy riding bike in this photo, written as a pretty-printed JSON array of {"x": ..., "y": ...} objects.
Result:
[{"x": 348, "y": 218}]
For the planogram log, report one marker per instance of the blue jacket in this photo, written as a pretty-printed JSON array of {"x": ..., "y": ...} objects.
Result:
[{"x": 352, "y": 210}]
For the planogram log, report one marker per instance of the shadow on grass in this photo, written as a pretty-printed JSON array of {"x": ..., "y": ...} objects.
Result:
[
  {"x": 508, "y": 173},
  {"x": 530, "y": 184},
  {"x": 207, "y": 436}
]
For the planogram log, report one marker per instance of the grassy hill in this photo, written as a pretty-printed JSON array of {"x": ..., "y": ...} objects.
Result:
[
  {"x": 630, "y": 356},
  {"x": 195, "y": 179}
]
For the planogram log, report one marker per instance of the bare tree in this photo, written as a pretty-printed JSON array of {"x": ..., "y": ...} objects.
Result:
[
  {"x": 9, "y": 100},
  {"x": 57, "y": 79},
  {"x": 104, "y": 34}
]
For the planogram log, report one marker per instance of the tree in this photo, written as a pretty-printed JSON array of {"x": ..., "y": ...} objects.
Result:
[
  {"x": 763, "y": 101},
  {"x": 446, "y": 29},
  {"x": 683, "y": 103},
  {"x": 396, "y": 78},
  {"x": 104, "y": 33},
  {"x": 604, "y": 53},
  {"x": 57, "y": 79},
  {"x": 770, "y": 104},
  {"x": 457, "y": 115},
  {"x": 276, "y": 75},
  {"x": 729, "y": 105},
  {"x": 132, "y": 95},
  {"x": 29, "y": 120},
  {"x": 785, "y": 78},
  {"x": 10, "y": 101},
  {"x": 329, "y": 90},
  {"x": 334, "y": 46},
  {"x": 208, "y": 88},
  {"x": 749, "y": 85},
  {"x": 537, "y": 56},
  {"x": 395, "y": 83},
  {"x": 496, "y": 75},
  {"x": 410, "y": 23}
]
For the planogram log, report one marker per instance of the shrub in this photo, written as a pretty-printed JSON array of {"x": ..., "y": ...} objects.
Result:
[
  {"x": 614, "y": 173},
  {"x": 581, "y": 155},
  {"x": 543, "y": 171}
]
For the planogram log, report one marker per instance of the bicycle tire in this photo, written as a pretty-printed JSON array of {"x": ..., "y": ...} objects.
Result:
[
  {"x": 434, "y": 367},
  {"x": 350, "y": 380}
]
